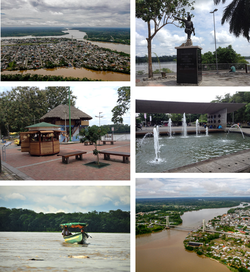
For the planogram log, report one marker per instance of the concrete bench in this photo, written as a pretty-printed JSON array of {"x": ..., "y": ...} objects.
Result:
[
  {"x": 77, "y": 154},
  {"x": 125, "y": 155},
  {"x": 108, "y": 141}
]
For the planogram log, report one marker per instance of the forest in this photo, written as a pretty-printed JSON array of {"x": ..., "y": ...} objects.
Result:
[
  {"x": 224, "y": 55},
  {"x": 28, "y": 220},
  {"x": 114, "y": 35},
  {"x": 187, "y": 204},
  {"x": 155, "y": 59},
  {"x": 22, "y": 106},
  {"x": 118, "y": 128},
  {"x": 34, "y": 31}
]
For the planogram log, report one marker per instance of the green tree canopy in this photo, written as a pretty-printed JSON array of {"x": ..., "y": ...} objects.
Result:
[
  {"x": 23, "y": 106},
  {"x": 93, "y": 134},
  {"x": 160, "y": 13},
  {"x": 123, "y": 104},
  {"x": 237, "y": 14},
  {"x": 224, "y": 55}
]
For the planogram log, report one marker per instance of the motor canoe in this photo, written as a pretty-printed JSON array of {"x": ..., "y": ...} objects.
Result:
[{"x": 79, "y": 237}]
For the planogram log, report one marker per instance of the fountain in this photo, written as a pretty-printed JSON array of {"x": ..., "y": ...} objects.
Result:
[
  {"x": 236, "y": 125},
  {"x": 147, "y": 134},
  {"x": 156, "y": 142},
  {"x": 170, "y": 127},
  {"x": 180, "y": 151},
  {"x": 184, "y": 126},
  {"x": 206, "y": 130},
  {"x": 197, "y": 128}
]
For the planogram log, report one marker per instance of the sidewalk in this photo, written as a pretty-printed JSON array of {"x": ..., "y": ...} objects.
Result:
[
  {"x": 50, "y": 167},
  {"x": 208, "y": 79}
]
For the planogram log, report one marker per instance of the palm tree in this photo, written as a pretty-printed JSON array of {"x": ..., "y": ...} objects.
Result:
[{"x": 237, "y": 13}]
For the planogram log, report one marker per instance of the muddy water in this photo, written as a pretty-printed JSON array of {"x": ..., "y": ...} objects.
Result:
[
  {"x": 41, "y": 251},
  {"x": 75, "y": 72},
  {"x": 164, "y": 251}
]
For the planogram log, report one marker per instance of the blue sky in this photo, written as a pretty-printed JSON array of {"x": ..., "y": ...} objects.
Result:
[
  {"x": 192, "y": 187},
  {"x": 170, "y": 36},
  {"x": 92, "y": 99},
  {"x": 52, "y": 199}
]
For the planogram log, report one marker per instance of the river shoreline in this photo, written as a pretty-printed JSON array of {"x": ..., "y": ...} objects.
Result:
[{"x": 167, "y": 240}]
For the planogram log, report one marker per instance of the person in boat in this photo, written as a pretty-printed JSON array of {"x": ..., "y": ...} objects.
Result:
[
  {"x": 66, "y": 232},
  {"x": 84, "y": 233}
]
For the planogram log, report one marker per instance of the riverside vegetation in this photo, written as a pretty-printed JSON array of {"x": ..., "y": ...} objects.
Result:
[
  {"x": 28, "y": 220},
  {"x": 230, "y": 244},
  {"x": 229, "y": 240},
  {"x": 151, "y": 213}
]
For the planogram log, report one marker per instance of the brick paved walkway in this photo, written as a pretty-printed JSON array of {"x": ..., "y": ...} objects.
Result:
[{"x": 52, "y": 168}]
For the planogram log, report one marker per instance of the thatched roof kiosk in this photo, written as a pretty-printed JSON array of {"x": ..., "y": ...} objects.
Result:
[
  {"x": 60, "y": 116},
  {"x": 41, "y": 139}
]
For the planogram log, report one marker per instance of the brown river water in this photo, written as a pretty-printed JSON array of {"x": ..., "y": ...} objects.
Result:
[
  {"x": 75, "y": 72},
  {"x": 164, "y": 251},
  {"x": 42, "y": 251}
]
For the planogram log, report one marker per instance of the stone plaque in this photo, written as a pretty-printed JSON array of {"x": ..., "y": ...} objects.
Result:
[{"x": 189, "y": 68}]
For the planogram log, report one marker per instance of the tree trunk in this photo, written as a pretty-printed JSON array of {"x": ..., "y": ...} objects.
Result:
[
  {"x": 149, "y": 40},
  {"x": 97, "y": 154}
]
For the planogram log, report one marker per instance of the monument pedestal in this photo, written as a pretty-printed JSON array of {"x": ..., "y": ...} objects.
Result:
[{"x": 189, "y": 68}]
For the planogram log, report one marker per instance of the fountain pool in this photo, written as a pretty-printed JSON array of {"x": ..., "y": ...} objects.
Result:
[{"x": 179, "y": 151}]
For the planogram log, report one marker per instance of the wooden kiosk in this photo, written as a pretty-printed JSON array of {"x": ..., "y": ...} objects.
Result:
[{"x": 41, "y": 139}]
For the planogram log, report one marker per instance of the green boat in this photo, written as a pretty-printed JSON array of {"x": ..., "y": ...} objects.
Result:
[{"x": 79, "y": 237}]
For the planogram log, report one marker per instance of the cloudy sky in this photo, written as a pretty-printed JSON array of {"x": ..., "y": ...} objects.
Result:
[
  {"x": 92, "y": 99},
  {"x": 52, "y": 199},
  {"x": 66, "y": 13},
  {"x": 191, "y": 187},
  {"x": 188, "y": 94},
  {"x": 170, "y": 36},
  {"x": 95, "y": 99}
]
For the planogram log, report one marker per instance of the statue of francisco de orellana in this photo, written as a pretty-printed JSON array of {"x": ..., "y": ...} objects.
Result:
[{"x": 189, "y": 25}]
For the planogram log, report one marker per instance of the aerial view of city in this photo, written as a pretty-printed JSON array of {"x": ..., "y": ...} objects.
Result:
[
  {"x": 65, "y": 42},
  {"x": 208, "y": 233}
]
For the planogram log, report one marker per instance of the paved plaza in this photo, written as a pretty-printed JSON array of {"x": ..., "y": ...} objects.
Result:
[
  {"x": 27, "y": 167},
  {"x": 208, "y": 79}
]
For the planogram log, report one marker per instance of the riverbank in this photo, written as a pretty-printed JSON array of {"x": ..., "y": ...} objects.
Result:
[
  {"x": 164, "y": 251},
  {"x": 73, "y": 72}
]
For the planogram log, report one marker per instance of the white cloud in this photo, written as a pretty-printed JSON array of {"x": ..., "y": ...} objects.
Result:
[
  {"x": 15, "y": 196},
  {"x": 222, "y": 37}
]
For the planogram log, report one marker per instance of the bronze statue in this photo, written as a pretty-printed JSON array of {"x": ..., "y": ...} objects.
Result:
[{"x": 189, "y": 25}]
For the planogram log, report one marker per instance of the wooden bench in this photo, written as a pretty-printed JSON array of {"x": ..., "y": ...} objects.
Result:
[
  {"x": 107, "y": 154},
  {"x": 109, "y": 141},
  {"x": 65, "y": 156}
]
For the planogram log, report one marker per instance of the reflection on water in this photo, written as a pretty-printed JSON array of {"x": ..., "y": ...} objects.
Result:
[
  {"x": 28, "y": 251},
  {"x": 180, "y": 151}
]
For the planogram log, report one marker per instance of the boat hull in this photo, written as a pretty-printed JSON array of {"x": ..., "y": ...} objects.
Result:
[{"x": 78, "y": 238}]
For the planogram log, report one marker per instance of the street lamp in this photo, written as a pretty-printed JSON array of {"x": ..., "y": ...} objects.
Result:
[
  {"x": 99, "y": 122},
  {"x": 215, "y": 41},
  {"x": 99, "y": 117}
]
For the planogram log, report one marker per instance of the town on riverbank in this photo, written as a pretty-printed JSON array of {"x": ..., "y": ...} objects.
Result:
[
  {"x": 38, "y": 53},
  {"x": 224, "y": 238}
]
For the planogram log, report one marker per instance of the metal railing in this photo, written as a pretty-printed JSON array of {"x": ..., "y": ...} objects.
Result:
[{"x": 240, "y": 67}]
